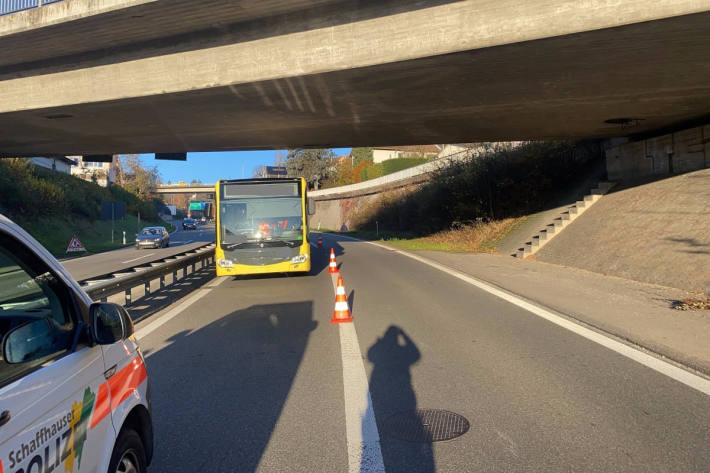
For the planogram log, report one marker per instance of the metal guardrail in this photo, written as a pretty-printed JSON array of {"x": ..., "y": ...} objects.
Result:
[
  {"x": 13, "y": 6},
  {"x": 123, "y": 281}
]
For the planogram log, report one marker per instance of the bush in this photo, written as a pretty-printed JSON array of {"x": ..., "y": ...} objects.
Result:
[
  {"x": 28, "y": 192},
  {"x": 500, "y": 182},
  {"x": 23, "y": 192},
  {"x": 391, "y": 165}
]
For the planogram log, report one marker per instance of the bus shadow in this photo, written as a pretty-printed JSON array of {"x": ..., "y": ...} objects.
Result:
[{"x": 219, "y": 391}]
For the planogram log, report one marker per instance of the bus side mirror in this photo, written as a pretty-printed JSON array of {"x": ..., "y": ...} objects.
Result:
[{"x": 311, "y": 206}]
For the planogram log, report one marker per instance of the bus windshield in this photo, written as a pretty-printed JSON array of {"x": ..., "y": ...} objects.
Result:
[{"x": 259, "y": 213}]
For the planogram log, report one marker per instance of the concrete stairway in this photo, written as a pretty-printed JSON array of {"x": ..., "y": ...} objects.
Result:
[{"x": 565, "y": 218}]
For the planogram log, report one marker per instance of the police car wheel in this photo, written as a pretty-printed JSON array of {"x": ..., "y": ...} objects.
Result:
[{"x": 128, "y": 455}]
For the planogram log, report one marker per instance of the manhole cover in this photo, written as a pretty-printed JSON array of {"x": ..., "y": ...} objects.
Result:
[{"x": 425, "y": 425}]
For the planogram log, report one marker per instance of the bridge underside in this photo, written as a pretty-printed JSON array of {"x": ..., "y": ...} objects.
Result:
[{"x": 655, "y": 73}]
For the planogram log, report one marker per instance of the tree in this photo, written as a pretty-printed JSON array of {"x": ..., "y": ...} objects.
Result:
[
  {"x": 279, "y": 158},
  {"x": 311, "y": 164},
  {"x": 361, "y": 155},
  {"x": 136, "y": 178}
]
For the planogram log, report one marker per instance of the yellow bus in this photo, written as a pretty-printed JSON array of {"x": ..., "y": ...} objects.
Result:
[{"x": 262, "y": 226}]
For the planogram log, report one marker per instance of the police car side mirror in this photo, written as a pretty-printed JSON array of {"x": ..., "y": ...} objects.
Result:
[
  {"x": 110, "y": 323},
  {"x": 311, "y": 206},
  {"x": 29, "y": 341}
]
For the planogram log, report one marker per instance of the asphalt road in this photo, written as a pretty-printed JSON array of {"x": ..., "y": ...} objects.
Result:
[
  {"x": 247, "y": 375},
  {"x": 102, "y": 263}
]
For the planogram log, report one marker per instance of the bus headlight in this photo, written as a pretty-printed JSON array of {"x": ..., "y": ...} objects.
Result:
[
  {"x": 225, "y": 263},
  {"x": 299, "y": 259}
]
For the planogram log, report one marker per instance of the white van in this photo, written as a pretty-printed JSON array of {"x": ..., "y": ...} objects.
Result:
[{"x": 74, "y": 393}]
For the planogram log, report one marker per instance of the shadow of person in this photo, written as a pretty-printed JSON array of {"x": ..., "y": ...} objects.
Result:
[{"x": 391, "y": 390}]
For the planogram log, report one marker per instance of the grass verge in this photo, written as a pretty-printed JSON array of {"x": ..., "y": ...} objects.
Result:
[
  {"x": 476, "y": 238},
  {"x": 55, "y": 233}
]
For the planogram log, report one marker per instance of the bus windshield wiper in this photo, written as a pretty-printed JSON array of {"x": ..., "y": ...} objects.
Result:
[
  {"x": 231, "y": 246},
  {"x": 263, "y": 243}
]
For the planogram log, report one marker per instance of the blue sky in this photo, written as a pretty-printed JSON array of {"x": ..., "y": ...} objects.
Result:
[{"x": 210, "y": 167}]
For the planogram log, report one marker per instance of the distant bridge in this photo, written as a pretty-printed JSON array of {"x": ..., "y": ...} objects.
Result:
[{"x": 179, "y": 189}]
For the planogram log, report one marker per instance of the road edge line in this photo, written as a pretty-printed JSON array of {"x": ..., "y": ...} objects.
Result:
[{"x": 666, "y": 368}]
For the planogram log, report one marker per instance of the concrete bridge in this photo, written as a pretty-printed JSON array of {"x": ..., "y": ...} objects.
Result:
[
  {"x": 132, "y": 76},
  {"x": 177, "y": 189}
]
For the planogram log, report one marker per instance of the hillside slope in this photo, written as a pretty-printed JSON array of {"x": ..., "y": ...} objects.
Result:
[
  {"x": 53, "y": 207},
  {"x": 656, "y": 232}
]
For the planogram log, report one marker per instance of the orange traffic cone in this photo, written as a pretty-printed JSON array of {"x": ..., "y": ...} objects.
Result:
[
  {"x": 341, "y": 313},
  {"x": 332, "y": 266},
  {"x": 320, "y": 241}
]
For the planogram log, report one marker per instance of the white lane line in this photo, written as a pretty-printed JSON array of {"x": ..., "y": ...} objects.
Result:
[
  {"x": 136, "y": 259},
  {"x": 363, "y": 438},
  {"x": 672, "y": 371},
  {"x": 174, "y": 312}
]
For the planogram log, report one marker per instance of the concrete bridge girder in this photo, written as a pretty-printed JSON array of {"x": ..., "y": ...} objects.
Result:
[{"x": 364, "y": 73}]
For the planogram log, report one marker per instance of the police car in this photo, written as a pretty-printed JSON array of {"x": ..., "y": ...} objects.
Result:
[{"x": 74, "y": 391}]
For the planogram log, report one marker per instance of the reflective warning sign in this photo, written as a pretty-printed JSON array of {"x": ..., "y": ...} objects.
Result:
[{"x": 75, "y": 245}]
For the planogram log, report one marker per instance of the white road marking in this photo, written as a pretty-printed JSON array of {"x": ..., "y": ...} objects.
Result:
[
  {"x": 172, "y": 313},
  {"x": 672, "y": 371},
  {"x": 136, "y": 259},
  {"x": 363, "y": 438}
]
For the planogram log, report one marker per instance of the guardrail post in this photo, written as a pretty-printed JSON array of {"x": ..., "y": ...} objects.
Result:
[{"x": 125, "y": 282}]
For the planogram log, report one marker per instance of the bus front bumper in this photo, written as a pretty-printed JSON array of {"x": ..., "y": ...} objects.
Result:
[{"x": 284, "y": 267}]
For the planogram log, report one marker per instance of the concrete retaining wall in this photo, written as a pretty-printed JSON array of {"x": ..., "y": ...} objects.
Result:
[
  {"x": 336, "y": 207},
  {"x": 674, "y": 153}
]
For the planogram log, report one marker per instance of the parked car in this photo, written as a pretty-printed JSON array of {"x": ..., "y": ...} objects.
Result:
[
  {"x": 153, "y": 237},
  {"x": 73, "y": 381},
  {"x": 189, "y": 224}
]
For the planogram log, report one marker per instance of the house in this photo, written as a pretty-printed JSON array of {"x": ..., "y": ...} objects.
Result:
[
  {"x": 383, "y": 153},
  {"x": 59, "y": 164},
  {"x": 102, "y": 173},
  {"x": 339, "y": 161}
]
